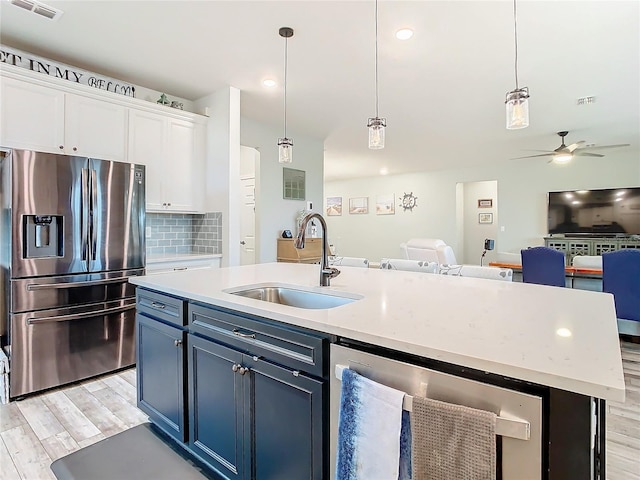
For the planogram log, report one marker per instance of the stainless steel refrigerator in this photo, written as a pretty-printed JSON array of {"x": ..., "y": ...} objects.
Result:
[{"x": 71, "y": 234}]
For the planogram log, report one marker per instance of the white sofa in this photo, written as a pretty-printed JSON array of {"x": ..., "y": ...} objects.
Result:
[
  {"x": 587, "y": 261},
  {"x": 349, "y": 261},
  {"x": 408, "y": 265},
  {"x": 422, "y": 249},
  {"x": 445, "y": 255},
  {"x": 491, "y": 273}
]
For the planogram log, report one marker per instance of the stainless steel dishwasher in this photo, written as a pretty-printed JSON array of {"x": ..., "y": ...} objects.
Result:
[{"x": 520, "y": 413}]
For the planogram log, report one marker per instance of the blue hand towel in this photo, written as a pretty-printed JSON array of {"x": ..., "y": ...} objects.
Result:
[{"x": 368, "y": 430}]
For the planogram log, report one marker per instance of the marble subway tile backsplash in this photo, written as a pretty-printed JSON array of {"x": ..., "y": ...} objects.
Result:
[{"x": 184, "y": 233}]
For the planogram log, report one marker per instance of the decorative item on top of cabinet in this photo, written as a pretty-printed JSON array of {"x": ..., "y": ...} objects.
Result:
[{"x": 35, "y": 117}]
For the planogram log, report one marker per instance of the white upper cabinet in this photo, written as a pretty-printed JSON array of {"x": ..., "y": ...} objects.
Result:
[
  {"x": 147, "y": 134},
  {"x": 40, "y": 118},
  {"x": 172, "y": 150},
  {"x": 31, "y": 116},
  {"x": 95, "y": 128},
  {"x": 47, "y": 116}
]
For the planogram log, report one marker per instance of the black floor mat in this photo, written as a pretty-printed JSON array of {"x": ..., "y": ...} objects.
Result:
[{"x": 140, "y": 453}]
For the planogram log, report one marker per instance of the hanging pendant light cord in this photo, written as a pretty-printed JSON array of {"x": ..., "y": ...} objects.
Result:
[
  {"x": 286, "y": 41},
  {"x": 515, "y": 34},
  {"x": 376, "y": 60}
]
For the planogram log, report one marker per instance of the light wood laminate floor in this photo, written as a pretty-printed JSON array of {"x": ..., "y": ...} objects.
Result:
[{"x": 42, "y": 428}]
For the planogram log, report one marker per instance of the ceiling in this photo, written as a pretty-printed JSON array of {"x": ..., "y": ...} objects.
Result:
[{"x": 442, "y": 91}]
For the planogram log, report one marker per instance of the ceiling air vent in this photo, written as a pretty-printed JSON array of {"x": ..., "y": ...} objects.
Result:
[{"x": 38, "y": 8}]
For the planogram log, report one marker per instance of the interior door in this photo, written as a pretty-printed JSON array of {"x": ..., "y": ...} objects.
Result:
[
  {"x": 247, "y": 221},
  {"x": 118, "y": 215}
]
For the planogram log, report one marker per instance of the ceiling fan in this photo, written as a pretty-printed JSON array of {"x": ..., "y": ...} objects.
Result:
[{"x": 564, "y": 153}]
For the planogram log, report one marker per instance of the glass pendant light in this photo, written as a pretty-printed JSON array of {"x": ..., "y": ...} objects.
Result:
[
  {"x": 517, "y": 100},
  {"x": 376, "y": 124},
  {"x": 285, "y": 145}
]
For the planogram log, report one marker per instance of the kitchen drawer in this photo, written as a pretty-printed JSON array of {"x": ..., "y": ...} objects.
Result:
[
  {"x": 284, "y": 345},
  {"x": 173, "y": 265},
  {"x": 160, "y": 306}
]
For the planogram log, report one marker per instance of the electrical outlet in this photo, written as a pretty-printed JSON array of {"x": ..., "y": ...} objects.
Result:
[{"x": 148, "y": 232}]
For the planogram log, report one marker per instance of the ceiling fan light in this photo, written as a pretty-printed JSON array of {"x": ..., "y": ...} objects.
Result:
[
  {"x": 285, "y": 150},
  {"x": 376, "y": 127},
  {"x": 562, "y": 157},
  {"x": 517, "y": 102}
]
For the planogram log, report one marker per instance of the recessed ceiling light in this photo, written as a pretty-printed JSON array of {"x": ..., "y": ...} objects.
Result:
[
  {"x": 269, "y": 83},
  {"x": 384, "y": 171},
  {"x": 404, "y": 34}
]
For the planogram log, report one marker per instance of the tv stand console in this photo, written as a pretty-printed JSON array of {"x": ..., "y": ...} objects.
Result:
[{"x": 573, "y": 246}]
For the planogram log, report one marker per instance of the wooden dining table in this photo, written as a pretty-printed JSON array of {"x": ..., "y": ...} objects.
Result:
[
  {"x": 570, "y": 271},
  {"x": 582, "y": 278}
]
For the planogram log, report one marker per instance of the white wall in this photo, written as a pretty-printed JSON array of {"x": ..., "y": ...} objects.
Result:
[
  {"x": 273, "y": 213},
  {"x": 223, "y": 166},
  {"x": 522, "y": 196},
  {"x": 474, "y": 233}
]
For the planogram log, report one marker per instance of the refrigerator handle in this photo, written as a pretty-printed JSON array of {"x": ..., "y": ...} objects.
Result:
[
  {"x": 94, "y": 205},
  {"x": 84, "y": 227},
  {"x": 79, "y": 316}
]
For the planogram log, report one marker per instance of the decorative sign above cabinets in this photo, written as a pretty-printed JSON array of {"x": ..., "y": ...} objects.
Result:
[{"x": 37, "y": 64}]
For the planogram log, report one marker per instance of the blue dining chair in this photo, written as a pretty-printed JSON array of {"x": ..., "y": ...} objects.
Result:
[
  {"x": 543, "y": 265},
  {"x": 621, "y": 277}
]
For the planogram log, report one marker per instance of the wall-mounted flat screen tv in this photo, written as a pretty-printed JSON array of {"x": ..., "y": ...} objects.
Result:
[{"x": 605, "y": 212}]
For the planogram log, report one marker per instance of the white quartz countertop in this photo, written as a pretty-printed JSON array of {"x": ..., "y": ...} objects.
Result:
[{"x": 500, "y": 327}]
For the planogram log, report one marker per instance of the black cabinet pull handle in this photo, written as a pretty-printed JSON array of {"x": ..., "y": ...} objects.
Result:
[
  {"x": 243, "y": 335},
  {"x": 177, "y": 343}
]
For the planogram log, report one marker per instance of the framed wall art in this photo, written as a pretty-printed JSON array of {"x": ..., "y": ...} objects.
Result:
[
  {"x": 358, "y": 205},
  {"x": 485, "y": 218},
  {"x": 385, "y": 204},
  {"x": 334, "y": 206}
]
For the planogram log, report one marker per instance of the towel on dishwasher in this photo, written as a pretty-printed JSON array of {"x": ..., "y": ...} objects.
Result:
[
  {"x": 368, "y": 429},
  {"x": 452, "y": 442}
]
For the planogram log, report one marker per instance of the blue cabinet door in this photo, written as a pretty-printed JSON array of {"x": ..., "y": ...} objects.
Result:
[
  {"x": 286, "y": 423},
  {"x": 160, "y": 360},
  {"x": 216, "y": 407}
]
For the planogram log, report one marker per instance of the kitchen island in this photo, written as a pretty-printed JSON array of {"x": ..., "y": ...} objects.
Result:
[{"x": 560, "y": 343}]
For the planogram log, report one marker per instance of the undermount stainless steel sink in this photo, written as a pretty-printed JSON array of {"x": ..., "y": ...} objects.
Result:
[{"x": 293, "y": 297}]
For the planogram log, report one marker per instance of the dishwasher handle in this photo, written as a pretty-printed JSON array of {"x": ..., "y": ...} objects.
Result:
[{"x": 506, "y": 426}]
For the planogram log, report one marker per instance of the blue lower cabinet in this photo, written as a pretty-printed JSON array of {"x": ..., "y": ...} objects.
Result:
[
  {"x": 216, "y": 408},
  {"x": 250, "y": 419},
  {"x": 160, "y": 374},
  {"x": 286, "y": 423}
]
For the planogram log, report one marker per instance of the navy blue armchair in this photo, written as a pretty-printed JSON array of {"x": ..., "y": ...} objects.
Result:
[
  {"x": 621, "y": 277},
  {"x": 543, "y": 265}
]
